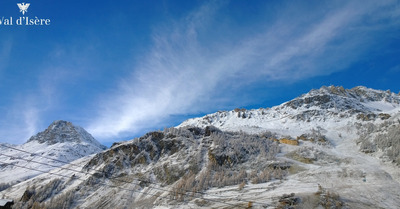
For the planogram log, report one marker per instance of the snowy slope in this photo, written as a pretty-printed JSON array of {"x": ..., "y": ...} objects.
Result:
[
  {"x": 61, "y": 140},
  {"x": 199, "y": 166}
]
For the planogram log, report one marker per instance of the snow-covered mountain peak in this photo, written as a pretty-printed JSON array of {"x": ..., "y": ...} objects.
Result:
[
  {"x": 324, "y": 106},
  {"x": 357, "y": 99},
  {"x": 63, "y": 131},
  {"x": 360, "y": 93}
]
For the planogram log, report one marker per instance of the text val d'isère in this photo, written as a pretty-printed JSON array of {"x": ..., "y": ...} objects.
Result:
[{"x": 24, "y": 21}]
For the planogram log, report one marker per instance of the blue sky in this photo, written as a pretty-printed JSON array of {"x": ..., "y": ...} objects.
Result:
[{"x": 122, "y": 68}]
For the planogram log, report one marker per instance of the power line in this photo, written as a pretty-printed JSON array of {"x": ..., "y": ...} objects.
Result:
[
  {"x": 115, "y": 178},
  {"x": 76, "y": 165},
  {"x": 111, "y": 178},
  {"x": 31, "y": 153},
  {"x": 55, "y": 166},
  {"x": 73, "y": 170},
  {"x": 108, "y": 185},
  {"x": 64, "y": 176},
  {"x": 64, "y": 162}
]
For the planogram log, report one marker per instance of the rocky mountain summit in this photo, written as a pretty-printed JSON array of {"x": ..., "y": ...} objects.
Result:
[
  {"x": 65, "y": 132},
  {"x": 61, "y": 141},
  {"x": 327, "y": 104},
  {"x": 341, "y": 99}
]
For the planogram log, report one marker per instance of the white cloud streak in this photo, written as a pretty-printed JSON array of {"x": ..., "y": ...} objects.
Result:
[
  {"x": 5, "y": 51},
  {"x": 21, "y": 120},
  {"x": 182, "y": 74}
]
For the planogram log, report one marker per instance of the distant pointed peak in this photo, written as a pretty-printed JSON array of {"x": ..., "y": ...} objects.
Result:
[{"x": 61, "y": 131}]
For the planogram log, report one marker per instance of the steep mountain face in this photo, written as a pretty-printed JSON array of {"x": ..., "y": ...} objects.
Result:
[
  {"x": 169, "y": 167},
  {"x": 61, "y": 140},
  {"x": 329, "y": 148}
]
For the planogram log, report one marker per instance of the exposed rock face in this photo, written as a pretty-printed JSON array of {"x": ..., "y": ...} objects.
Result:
[
  {"x": 317, "y": 100},
  {"x": 155, "y": 155},
  {"x": 342, "y": 99}
]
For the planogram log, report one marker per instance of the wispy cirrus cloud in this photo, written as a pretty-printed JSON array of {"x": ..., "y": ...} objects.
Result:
[
  {"x": 20, "y": 120},
  {"x": 187, "y": 67},
  {"x": 5, "y": 51}
]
